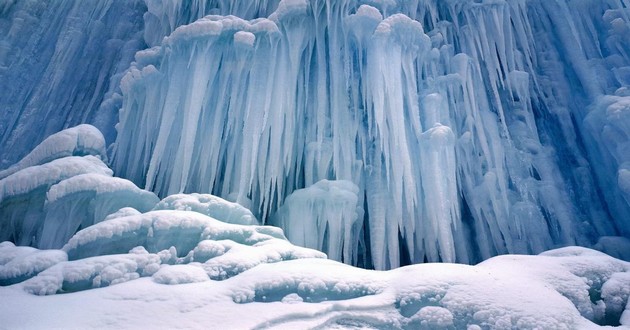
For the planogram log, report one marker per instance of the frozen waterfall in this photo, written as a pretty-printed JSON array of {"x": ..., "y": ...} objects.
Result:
[{"x": 458, "y": 129}]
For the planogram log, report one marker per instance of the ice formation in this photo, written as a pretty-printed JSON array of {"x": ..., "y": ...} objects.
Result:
[
  {"x": 383, "y": 133},
  {"x": 325, "y": 216},
  {"x": 58, "y": 62},
  {"x": 471, "y": 128},
  {"x": 63, "y": 186},
  {"x": 468, "y": 128},
  {"x": 209, "y": 205}
]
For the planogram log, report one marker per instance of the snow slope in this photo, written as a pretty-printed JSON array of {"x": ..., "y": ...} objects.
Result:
[{"x": 560, "y": 289}]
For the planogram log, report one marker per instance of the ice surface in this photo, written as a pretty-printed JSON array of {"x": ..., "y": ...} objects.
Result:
[
  {"x": 58, "y": 61},
  {"x": 382, "y": 132},
  {"x": 84, "y": 200},
  {"x": 23, "y": 195},
  {"x": 616, "y": 246},
  {"x": 62, "y": 186}
]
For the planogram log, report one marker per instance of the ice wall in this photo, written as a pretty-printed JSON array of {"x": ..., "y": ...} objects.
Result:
[{"x": 463, "y": 123}]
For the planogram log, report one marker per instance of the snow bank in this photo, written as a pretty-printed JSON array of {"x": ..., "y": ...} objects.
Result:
[
  {"x": 212, "y": 206},
  {"x": 80, "y": 140},
  {"x": 23, "y": 195},
  {"x": 21, "y": 263},
  {"x": 84, "y": 200},
  {"x": 91, "y": 273},
  {"x": 569, "y": 288},
  {"x": 159, "y": 230}
]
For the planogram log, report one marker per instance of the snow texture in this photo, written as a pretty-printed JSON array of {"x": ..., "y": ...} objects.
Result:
[
  {"x": 569, "y": 288},
  {"x": 209, "y": 205}
]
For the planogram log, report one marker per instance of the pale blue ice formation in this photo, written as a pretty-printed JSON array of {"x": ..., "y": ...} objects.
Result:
[
  {"x": 325, "y": 216},
  {"x": 146, "y": 145},
  {"x": 466, "y": 129},
  {"x": 61, "y": 187},
  {"x": 471, "y": 129}
]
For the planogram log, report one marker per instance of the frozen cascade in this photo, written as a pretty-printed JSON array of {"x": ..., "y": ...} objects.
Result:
[
  {"x": 470, "y": 128},
  {"x": 326, "y": 216},
  {"x": 463, "y": 146}
]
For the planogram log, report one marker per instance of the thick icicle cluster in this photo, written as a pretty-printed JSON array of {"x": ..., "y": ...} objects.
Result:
[{"x": 463, "y": 124}]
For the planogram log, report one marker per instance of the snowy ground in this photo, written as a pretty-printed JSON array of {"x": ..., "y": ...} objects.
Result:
[
  {"x": 111, "y": 255},
  {"x": 561, "y": 289}
]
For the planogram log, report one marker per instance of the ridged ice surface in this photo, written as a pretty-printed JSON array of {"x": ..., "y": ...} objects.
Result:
[{"x": 58, "y": 61}]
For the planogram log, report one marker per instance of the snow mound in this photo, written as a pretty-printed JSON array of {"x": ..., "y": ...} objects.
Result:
[
  {"x": 80, "y": 140},
  {"x": 25, "y": 263},
  {"x": 91, "y": 273},
  {"x": 212, "y": 206},
  {"x": 127, "y": 247},
  {"x": 159, "y": 230},
  {"x": 180, "y": 274},
  {"x": 84, "y": 200},
  {"x": 23, "y": 195},
  {"x": 224, "y": 249},
  {"x": 569, "y": 288}
]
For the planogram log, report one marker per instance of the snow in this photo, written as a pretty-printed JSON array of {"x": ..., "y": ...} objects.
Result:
[
  {"x": 506, "y": 291},
  {"x": 25, "y": 264},
  {"x": 80, "y": 140},
  {"x": 23, "y": 195},
  {"x": 180, "y": 274},
  {"x": 209, "y": 205}
]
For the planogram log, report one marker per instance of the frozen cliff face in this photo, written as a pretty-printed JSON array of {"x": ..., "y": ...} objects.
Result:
[
  {"x": 467, "y": 126},
  {"x": 58, "y": 60}
]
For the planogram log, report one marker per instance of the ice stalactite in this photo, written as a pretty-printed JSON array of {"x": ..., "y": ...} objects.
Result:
[{"x": 463, "y": 146}]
